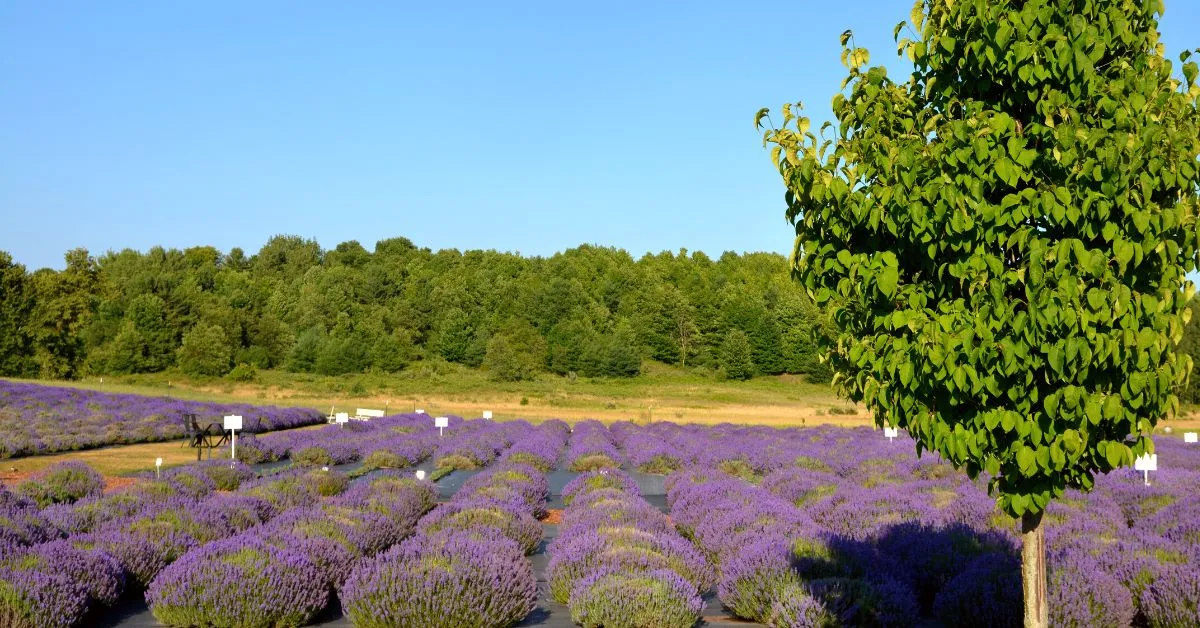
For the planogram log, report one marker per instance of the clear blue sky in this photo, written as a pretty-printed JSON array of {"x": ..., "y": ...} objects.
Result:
[{"x": 515, "y": 126}]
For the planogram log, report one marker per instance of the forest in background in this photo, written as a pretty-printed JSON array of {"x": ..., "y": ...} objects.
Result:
[{"x": 588, "y": 311}]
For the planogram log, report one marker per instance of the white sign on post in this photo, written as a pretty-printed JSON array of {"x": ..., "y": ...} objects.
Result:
[
  {"x": 420, "y": 410},
  {"x": 233, "y": 423},
  {"x": 441, "y": 423},
  {"x": 157, "y": 467},
  {"x": 1146, "y": 463},
  {"x": 487, "y": 414},
  {"x": 1189, "y": 437},
  {"x": 420, "y": 474},
  {"x": 342, "y": 417},
  {"x": 891, "y": 433}
]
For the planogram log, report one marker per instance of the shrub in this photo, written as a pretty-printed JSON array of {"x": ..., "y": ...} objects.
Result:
[
  {"x": 596, "y": 480},
  {"x": 95, "y": 571},
  {"x": 593, "y": 462},
  {"x": 519, "y": 527},
  {"x": 32, "y": 598},
  {"x": 1081, "y": 595},
  {"x": 986, "y": 593},
  {"x": 225, "y": 476},
  {"x": 243, "y": 373},
  {"x": 876, "y": 602},
  {"x": 456, "y": 579},
  {"x": 384, "y": 459},
  {"x": 619, "y": 599},
  {"x": 1173, "y": 599},
  {"x": 62, "y": 483},
  {"x": 796, "y": 608},
  {"x": 242, "y": 581},
  {"x": 755, "y": 577},
  {"x": 314, "y": 456}
]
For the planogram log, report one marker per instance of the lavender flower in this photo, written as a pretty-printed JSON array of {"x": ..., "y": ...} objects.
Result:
[
  {"x": 242, "y": 581},
  {"x": 455, "y": 579}
]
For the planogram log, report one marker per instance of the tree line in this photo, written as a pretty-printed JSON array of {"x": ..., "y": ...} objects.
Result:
[{"x": 590, "y": 311}]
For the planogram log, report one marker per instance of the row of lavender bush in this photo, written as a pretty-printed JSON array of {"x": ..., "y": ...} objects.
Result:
[
  {"x": 851, "y": 529},
  {"x": 37, "y": 419},
  {"x": 466, "y": 565},
  {"x": 618, "y": 561},
  {"x": 283, "y": 573}
]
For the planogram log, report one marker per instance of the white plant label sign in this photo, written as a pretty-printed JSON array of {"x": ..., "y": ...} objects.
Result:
[
  {"x": 1146, "y": 462},
  {"x": 420, "y": 474},
  {"x": 487, "y": 414},
  {"x": 420, "y": 410},
  {"x": 891, "y": 432},
  {"x": 342, "y": 417},
  {"x": 1189, "y": 437},
  {"x": 441, "y": 421},
  {"x": 233, "y": 423}
]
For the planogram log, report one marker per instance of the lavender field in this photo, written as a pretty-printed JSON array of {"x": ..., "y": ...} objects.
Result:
[
  {"x": 37, "y": 419},
  {"x": 590, "y": 525}
]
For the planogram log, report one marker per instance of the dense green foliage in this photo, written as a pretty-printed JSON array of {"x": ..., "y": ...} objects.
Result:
[
  {"x": 589, "y": 311},
  {"x": 1004, "y": 237}
]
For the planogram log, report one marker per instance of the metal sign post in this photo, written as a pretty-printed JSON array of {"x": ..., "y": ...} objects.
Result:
[
  {"x": 233, "y": 423},
  {"x": 1146, "y": 463}
]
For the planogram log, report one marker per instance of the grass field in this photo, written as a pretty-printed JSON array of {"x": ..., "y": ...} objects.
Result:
[{"x": 661, "y": 393}]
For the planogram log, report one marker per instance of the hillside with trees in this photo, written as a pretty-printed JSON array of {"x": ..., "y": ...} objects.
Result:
[{"x": 588, "y": 311}]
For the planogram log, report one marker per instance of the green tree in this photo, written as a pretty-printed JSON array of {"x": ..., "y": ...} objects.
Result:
[
  {"x": 64, "y": 303},
  {"x": 613, "y": 355},
  {"x": 205, "y": 351},
  {"x": 1005, "y": 238},
  {"x": 737, "y": 356},
  {"x": 15, "y": 309},
  {"x": 515, "y": 353}
]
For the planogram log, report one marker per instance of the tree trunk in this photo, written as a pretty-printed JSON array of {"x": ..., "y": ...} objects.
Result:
[{"x": 1033, "y": 571}]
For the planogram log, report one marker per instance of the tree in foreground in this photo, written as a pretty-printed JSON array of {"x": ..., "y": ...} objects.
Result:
[{"x": 1004, "y": 238}]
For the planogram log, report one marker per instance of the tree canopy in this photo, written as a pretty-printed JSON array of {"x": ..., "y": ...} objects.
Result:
[
  {"x": 589, "y": 310},
  {"x": 1004, "y": 236}
]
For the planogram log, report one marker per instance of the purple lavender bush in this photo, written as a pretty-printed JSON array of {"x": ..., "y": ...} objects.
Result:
[
  {"x": 518, "y": 526},
  {"x": 1173, "y": 599},
  {"x": 39, "y": 419},
  {"x": 986, "y": 593},
  {"x": 452, "y": 580},
  {"x": 62, "y": 483},
  {"x": 1080, "y": 594},
  {"x": 241, "y": 581},
  {"x": 617, "y": 598},
  {"x": 95, "y": 571},
  {"x": 36, "y": 598},
  {"x": 795, "y": 607}
]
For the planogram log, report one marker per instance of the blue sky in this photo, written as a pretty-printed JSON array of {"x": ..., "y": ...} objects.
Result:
[{"x": 529, "y": 127}]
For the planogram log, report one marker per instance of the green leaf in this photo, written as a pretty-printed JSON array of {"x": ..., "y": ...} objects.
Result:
[
  {"x": 886, "y": 280},
  {"x": 1115, "y": 454},
  {"x": 1027, "y": 461},
  {"x": 846, "y": 35},
  {"x": 1092, "y": 410},
  {"x": 762, "y": 113}
]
